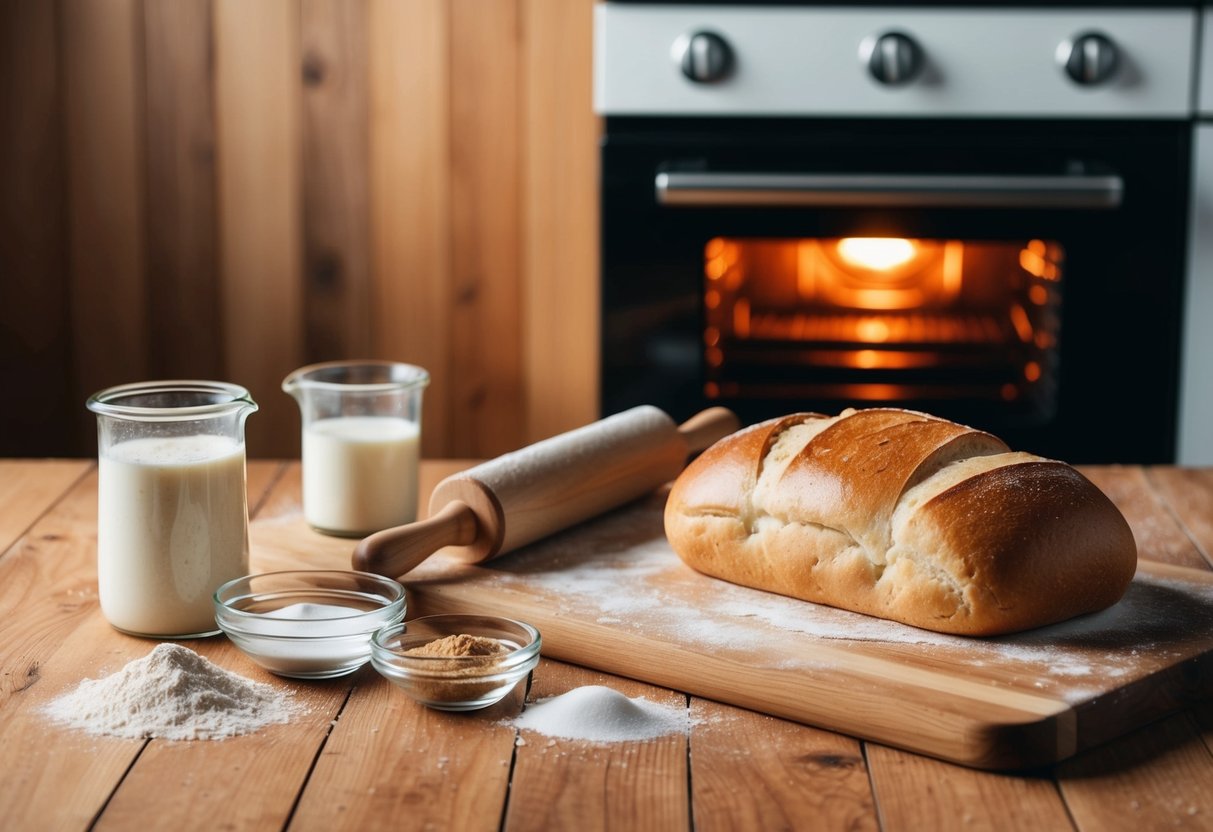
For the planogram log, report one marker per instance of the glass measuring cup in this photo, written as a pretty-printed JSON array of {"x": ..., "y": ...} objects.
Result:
[
  {"x": 172, "y": 510},
  {"x": 361, "y": 443}
]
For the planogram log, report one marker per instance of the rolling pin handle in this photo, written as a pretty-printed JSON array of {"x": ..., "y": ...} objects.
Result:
[
  {"x": 397, "y": 551},
  {"x": 707, "y": 427}
]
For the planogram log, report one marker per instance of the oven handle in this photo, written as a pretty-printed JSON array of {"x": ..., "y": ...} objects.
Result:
[{"x": 885, "y": 190}]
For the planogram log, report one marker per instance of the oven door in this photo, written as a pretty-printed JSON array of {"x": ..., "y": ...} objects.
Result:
[{"x": 1021, "y": 277}]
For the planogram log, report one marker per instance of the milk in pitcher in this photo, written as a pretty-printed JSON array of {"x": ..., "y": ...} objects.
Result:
[
  {"x": 172, "y": 527},
  {"x": 360, "y": 473}
]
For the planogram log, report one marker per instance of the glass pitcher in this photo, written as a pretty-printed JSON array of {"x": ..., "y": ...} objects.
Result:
[
  {"x": 172, "y": 511},
  {"x": 361, "y": 441}
]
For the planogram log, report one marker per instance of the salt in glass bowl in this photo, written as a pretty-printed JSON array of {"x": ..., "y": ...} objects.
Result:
[
  {"x": 456, "y": 683},
  {"x": 308, "y": 624}
]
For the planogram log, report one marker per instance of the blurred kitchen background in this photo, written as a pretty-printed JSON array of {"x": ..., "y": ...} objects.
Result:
[
  {"x": 229, "y": 189},
  {"x": 999, "y": 213}
]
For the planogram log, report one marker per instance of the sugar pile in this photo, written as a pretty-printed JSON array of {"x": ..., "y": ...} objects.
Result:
[
  {"x": 600, "y": 714},
  {"x": 174, "y": 694}
]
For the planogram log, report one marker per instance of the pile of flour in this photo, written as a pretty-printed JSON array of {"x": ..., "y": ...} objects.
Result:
[
  {"x": 600, "y": 714},
  {"x": 174, "y": 694}
]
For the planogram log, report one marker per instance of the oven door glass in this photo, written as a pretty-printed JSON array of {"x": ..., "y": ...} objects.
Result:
[
  {"x": 885, "y": 321},
  {"x": 1024, "y": 278}
]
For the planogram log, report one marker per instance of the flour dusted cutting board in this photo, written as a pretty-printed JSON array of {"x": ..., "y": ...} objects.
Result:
[{"x": 612, "y": 595}]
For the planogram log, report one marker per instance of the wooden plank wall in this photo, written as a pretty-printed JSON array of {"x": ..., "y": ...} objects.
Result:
[
  {"x": 34, "y": 337},
  {"x": 222, "y": 189}
]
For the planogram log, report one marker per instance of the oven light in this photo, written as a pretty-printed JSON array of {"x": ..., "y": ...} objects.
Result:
[
  {"x": 872, "y": 330},
  {"x": 1022, "y": 324},
  {"x": 877, "y": 254},
  {"x": 741, "y": 318},
  {"x": 1032, "y": 263},
  {"x": 867, "y": 359}
]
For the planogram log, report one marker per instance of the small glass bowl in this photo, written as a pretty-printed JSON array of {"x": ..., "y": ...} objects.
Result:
[
  {"x": 456, "y": 683},
  {"x": 280, "y": 620}
]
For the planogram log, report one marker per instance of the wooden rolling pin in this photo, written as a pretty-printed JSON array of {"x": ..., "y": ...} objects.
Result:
[{"x": 546, "y": 487}]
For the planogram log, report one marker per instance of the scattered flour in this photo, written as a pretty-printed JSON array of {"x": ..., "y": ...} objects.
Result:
[
  {"x": 621, "y": 572},
  {"x": 174, "y": 694},
  {"x": 600, "y": 714}
]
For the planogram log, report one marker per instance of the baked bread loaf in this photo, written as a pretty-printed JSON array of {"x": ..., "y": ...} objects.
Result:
[{"x": 903, "y": 516}]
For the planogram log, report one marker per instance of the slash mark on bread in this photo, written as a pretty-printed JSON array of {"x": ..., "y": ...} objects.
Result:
[{"x": 904, "y": 516}]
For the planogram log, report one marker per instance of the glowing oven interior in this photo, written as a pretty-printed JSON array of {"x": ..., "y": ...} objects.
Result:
[{"x": 883, "y": 320}]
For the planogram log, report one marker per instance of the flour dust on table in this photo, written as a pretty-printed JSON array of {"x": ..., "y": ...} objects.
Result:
[{"x": 620, "y": 572}]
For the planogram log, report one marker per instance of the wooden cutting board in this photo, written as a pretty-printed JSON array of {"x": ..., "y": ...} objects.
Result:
[{"x": 612, "y": 595}]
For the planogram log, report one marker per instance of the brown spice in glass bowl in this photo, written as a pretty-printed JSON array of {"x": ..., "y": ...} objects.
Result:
[
  {"x": 470, "y": 657},
  {"x": 460, "y": 645}
]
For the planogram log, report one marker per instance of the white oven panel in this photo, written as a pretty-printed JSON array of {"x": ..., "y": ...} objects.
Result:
[
  {"x": 789, "y": 61},
  {"x": 1196, "y": 372},
  {"x": 1204, "y": 82}
]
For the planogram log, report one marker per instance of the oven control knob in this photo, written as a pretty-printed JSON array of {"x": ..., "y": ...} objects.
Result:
[
  {"x": 704, "y": 57},
  {"x": 1088, "y": 58},
  {"x": 892, "y": 58}
]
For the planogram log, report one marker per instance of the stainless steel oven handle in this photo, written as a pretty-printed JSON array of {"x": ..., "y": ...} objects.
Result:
[{"x": 885, "y": 190}]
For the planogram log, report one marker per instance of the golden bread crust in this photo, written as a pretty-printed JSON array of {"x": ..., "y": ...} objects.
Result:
[{"x": 903, "y": 516}]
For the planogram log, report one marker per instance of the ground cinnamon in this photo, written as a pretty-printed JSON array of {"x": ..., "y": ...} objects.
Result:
[
  {"x": 460, "y": 645},
  {"x": 470, "y": 657}
]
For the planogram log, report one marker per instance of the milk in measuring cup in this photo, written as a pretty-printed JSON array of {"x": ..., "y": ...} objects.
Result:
[
  {"x": 360, "y": 473},
  {"x": 172, "y": 526}
]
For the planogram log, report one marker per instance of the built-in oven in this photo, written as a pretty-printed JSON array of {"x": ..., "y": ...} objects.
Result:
[{"x": 1014, "y": 263}]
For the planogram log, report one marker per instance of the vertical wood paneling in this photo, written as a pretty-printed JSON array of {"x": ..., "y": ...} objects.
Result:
[
  {"x": 34, "y": 336},
  {"x": 410, "y": 197},
  {"x": 185, "y": 327},
  {"x": 486, "y": 341},
  {"x": 336, "y": 208},
  {"x": 560, "y": 236},
  {"x": 225, "y": 189},
  {"x": 259, "y": 196},
  {"x": 103, "y": 109}
]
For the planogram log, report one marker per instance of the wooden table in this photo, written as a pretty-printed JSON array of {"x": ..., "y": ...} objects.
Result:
[{"x": 367, "y": 757}]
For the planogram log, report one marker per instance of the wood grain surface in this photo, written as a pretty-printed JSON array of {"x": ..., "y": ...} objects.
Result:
[
  {"x": 567, "y": 784},
  {"x": 28, "y": 487},
  {"x": 258, "y": 196},
  {"x": 753, "y": 771},
  {"x": 35, "y": 334},
  {"x": 367, "y": 757},
  {"x": 560, "y": 217},
  {"x": 410, "y": 208},
  {"x": 182, "y": 227},
  {"x": 106, "y": 197},
  {"x": 1187, "y": 496},
  {"x": 336, "y": 206},
  {"x": 612, "y": 595},
  {"x": 229, "y": 190},
  {"x": 486, "y": 140}
]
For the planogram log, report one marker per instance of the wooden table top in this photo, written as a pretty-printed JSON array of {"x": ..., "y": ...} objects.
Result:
[{"x": 366, "y": 757}]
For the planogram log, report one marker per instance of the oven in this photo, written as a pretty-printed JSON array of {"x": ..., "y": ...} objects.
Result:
[{"x": 810, "y": 208}]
